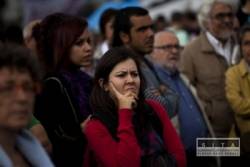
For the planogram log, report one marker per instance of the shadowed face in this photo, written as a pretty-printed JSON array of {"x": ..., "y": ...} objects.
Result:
[
  {"x": 16, "y": 99},
  {"x": 81, "y": 51}
]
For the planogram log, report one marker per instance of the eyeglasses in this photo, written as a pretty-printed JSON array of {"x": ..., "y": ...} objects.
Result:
[
  {"x": 10, "y": 89},
  {"x": 168, "y": 47},
  {"x": 223, "y": 16}
]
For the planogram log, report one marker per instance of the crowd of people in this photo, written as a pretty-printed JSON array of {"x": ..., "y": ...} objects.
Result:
[{"x": 140, "y": 97}]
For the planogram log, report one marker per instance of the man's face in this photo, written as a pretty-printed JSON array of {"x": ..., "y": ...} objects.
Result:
[
  {"x": 221, "y": 21},
  {"x": 16, "y": 99},
  {"x": 141, "y": 37},
  {"x": 166, "y": 50}
]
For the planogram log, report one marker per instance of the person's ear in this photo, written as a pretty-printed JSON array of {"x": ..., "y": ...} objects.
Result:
[
  {"x": 124, "y": 37},
  {"x": 103, "y": 85}
]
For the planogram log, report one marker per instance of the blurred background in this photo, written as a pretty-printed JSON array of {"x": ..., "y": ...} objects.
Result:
[{"x": 17, "y": 13}]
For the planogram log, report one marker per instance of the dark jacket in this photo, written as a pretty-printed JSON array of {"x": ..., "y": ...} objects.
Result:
[{"x": 59, "y": 112}]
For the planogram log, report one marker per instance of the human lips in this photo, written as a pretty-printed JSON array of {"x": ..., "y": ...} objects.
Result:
[
  {"x": 87, "y": 56},
  {"x": 86, "y": 59},
  {"x": 21, "y": 113},
  {"x": 131, "y": 89}
]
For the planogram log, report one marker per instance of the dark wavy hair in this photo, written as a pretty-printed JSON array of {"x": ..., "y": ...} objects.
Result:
[
  {"x": 44, "y": 35},
  {"x": 101, "y": 102},
  {"x": 58, "y": 33},
  {"x": 122, "y": 22}
]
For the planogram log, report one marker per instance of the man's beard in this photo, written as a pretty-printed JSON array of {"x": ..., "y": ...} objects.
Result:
[
  {"x": 225, "y": 35},
  {"x": 173, "y": 67}
]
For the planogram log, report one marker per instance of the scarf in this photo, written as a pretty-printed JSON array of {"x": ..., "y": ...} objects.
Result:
[
  {"x": 80, "y": 85},
  {"x": 30, "y": 148}
]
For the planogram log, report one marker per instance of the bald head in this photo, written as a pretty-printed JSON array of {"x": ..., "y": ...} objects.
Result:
[
  {"x": 162, "y": 37},
  {"x": 166, "y": 49}
]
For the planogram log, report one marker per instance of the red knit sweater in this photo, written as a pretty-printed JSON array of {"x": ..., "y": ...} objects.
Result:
[{"x": 127, "y": 152}]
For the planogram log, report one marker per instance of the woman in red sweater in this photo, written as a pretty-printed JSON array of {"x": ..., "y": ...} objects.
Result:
[{"x": 121, "y": 132}]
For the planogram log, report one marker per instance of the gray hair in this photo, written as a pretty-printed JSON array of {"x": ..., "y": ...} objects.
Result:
[{"x": 204, "y": 12}]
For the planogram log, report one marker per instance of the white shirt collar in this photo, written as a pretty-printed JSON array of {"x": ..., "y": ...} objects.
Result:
[
  {"x": 104, "y": 47},
  {"x": 225, "y": 51}
]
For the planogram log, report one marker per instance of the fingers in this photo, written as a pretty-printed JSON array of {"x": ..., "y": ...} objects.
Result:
[
  {"x": 117, "y": 93},
  {"x": 132, "y": 97},
  {"x": 134, "y": 102},
  {"x": 126, "y": 100},
  {"x": 129, "y": 93}
]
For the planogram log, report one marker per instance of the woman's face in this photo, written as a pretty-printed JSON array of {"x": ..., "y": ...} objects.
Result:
[
  {"x": 125, "y": 78},
  {"x": 81, "y": 51},
  {"x": 245, "y": 46}
]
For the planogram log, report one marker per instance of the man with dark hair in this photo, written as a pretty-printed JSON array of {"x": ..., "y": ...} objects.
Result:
[{"x": 133, "y": 27}]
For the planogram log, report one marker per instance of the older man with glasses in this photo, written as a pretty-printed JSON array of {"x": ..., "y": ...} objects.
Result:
[
  {"x": 193, "y": 121},
  {"x": 206, "y": 59}
]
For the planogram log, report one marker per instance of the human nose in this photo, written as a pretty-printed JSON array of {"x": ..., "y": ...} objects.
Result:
[
  {"x": 130, "y": 78},
  {"x": 87, "y": 46},
  {"x": 20, "y": 93},
  {"x": 173, "y": 48},
  {"x": 176, "y": 49},
  {"x": 150, "y": 32},
  {"x": 228, "y": 19}
]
